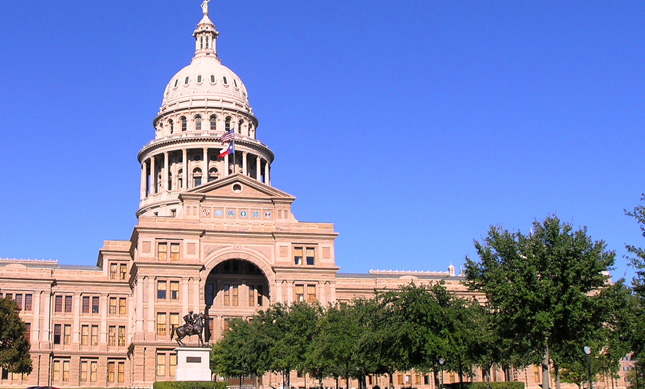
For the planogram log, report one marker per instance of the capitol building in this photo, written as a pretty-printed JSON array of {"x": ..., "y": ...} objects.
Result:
[{"x": 213, "y": 235}]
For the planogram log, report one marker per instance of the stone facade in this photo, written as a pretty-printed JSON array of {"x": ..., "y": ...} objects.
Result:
[{"x": 212, "y": 236}]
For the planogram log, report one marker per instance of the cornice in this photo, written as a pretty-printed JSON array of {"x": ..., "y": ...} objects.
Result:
[{"x": 255, "y": 145}]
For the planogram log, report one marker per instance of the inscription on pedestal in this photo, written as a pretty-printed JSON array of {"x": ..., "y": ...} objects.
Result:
[{"x": 194, "y": 359}]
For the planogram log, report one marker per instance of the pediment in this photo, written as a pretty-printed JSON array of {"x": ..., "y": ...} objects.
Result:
[{"x": 239, "y": 186}]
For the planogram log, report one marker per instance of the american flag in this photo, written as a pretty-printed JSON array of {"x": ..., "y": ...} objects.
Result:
[{"x": 229, "y": 136}]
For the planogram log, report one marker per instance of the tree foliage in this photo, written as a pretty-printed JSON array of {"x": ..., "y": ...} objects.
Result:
[
  {"x": 14, "y": 347},
  {"x": 549, "y": 290}
]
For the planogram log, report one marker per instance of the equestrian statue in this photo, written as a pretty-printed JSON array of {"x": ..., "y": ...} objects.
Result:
[{"x": 195, "y": 324}]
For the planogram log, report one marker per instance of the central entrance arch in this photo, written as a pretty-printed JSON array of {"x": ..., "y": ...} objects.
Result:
[{"x": 234, "y": 288}]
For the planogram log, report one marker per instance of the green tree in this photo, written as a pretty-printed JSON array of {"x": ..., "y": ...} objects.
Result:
[
  {"x": 14, "y": 347},
  {"x": 546, "y": 289},
  {"x": 240, "y": 351},
  {"x": 638, "y": 285}
]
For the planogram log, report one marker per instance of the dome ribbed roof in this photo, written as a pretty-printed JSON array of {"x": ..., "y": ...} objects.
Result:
[{"x": 205, "y": 78}]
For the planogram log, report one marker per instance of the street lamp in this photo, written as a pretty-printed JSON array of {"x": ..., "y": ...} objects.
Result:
[
  {"x": 441, "y": 362},
  {"x": 588, "y": 352}
]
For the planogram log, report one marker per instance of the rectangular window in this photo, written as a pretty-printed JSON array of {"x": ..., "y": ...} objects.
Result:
[
  {"x": 122, "y": 309},
  {"x": 65, "y": 371},
  {"x": 300, "y": 293},
  {"x": 297, "y": 255},
  {"x": 68, "y": 303},
  {"x": 85, "y": 335},
  {"x": 121, "y": 336},
  {"x": 210, "y": 293},
  {"x": 113, "y": 271},
  {"x": 311, "y": 294},
  {"x": 57, "y": 333},
  {"x": 18, "y": 300},
  {"x": 95, "y": 336},
  {"x": 173, "y": 364},
  {"x": 251, "y": 295},
  {"x": 112, "y": 336},
  {"x": 162, "y": 251},
  {"x": 174, "y": 252},
  {"x": 537, "y": 375},
  {"x": 174, "y": 321},
  {"x": 161, "y": 323},
  {"x": 58, "y": 304},
  {"x": 84, "y": 367},
  {"x": 174, "y": 290},
  {"x": 67, "y": 334},
  {"x": 56, "y": 371},
  {"x": 227, "y": 295},
  {"x": 86, "y": 304},
  {"x": 28, "y": 332},
  {"x": 260, "y": 295},
  {"x": 28, "y": 299},
  {"x": 111, "y": 368},
  {"x": 123, "y": 271},
  {"x": 112, "y": 306},
  {"x": 234, "y": 295},
  {"x": 121, "y": 372},
  {"x": 161, "y": 365},
  {"x": 161, "y": 290},
  {"x": 95, "y": 304},
  {"x": 94, "y": 367},
  {"x": 311, "y": 256}
]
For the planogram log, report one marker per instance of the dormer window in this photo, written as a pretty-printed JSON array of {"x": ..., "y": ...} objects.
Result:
[
  {"x": 213, "y": 79},
  {"x": 186, "y": 80},
  {"x": 176, "y": 82},
  {"x": 199, "y": 79},
  {"x": 225, "y": 80},
  {"x": 235, "y": 82}
]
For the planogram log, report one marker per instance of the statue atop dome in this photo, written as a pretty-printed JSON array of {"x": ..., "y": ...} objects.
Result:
[{"x": 205, "y": 7}]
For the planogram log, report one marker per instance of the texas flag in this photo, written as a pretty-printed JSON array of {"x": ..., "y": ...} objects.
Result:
[{"x": 229, "y": 150}]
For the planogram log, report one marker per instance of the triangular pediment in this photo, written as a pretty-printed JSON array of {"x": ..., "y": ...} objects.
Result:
[{"x": 241, "y": 187}]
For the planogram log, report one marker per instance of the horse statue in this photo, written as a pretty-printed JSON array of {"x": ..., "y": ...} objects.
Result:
[{"x": 196, "y": 327}]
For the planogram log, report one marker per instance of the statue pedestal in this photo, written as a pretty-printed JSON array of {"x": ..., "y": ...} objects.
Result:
[{"x": 193, "y": 364}]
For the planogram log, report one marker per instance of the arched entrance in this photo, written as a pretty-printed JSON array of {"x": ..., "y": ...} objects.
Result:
[{"x": 234, "y": 288}]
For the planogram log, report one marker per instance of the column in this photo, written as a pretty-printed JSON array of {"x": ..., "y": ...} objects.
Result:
[
  {"x": 153, "y": 176},
  {"x": 184, "y": 162},
  {"x": 196, "y": 305},
  {"x": 290, "y": 293},
  {"x": 152, "y": 297},
  {"x": 226, "y": 165},
  {"x": 205, "y": 170},
  {"x": 258, "y": 165},
  {"x": 139, "y": 302},
  {"x": 184, "y": 297},
  {"x": 244, "y": 155},
  {"x": 267, "y": 179},
  {"x": 144, "y": 171},
  {"x": 165, "y": 170}
]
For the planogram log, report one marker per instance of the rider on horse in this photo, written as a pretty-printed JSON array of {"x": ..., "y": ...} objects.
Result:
[{"x": 190, "y": 320}]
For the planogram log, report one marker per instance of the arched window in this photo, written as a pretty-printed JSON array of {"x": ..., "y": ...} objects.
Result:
[
  {"x": 198, "y": 123},
  {"x": 182, "y": 120},
  {"x": 171, "y": 125},
  {"x": 251, "y": 130},
  {"x": 227, "y": 124},
  {"x": 213, "y": 122},
  {"x": 213, "y": 174},
  {"x": 239, "y": 126},
  {"x": 197, "y": 177},
  {"x": 201, "y": 45}
]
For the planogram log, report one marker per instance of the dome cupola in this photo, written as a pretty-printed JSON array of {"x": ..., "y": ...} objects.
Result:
[{"x": 201, "y": 103}]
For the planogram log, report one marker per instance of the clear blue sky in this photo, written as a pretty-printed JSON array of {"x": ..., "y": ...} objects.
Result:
[{"x": 412, "y": 126}]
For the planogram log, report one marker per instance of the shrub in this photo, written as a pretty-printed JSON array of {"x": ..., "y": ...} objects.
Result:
[{"x": 190, "y": 385}]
